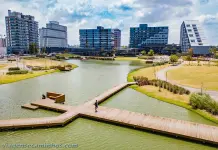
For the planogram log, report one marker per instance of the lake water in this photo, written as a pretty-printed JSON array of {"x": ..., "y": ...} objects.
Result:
[{"x": 91, "y": 78}]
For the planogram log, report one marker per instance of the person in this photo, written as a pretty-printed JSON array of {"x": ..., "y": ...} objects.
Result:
[
  {"x": 96, "y": 106},
  {"x": 43, "y": 96}
]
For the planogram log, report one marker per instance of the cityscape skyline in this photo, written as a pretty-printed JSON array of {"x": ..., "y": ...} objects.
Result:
[{"x": 123, "y": 15}]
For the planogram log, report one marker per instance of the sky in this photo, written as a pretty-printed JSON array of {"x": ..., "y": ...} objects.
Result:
[{"x": 122, "y": 14}]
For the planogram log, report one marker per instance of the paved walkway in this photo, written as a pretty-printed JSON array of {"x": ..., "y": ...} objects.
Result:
[{"x": 162, "y": 76}]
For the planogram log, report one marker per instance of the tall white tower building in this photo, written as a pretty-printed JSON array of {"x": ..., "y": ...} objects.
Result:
[
  {"x": 54, "y": 35},
  {"x": 192, "y": 36}
]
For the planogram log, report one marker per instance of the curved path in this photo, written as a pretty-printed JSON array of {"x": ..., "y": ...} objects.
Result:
[{"x": 161, "y": 74}]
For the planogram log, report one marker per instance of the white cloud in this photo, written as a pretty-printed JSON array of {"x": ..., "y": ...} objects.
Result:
[{"x": 121, "y": 14}]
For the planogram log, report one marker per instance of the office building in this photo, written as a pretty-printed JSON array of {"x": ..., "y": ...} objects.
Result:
[
  {"x": 21, "y": 30},
  {"x": 100, "y": 38},
  {"x": 117, "y": 38},
  {"x": 148, "y": 37},
  {"x": 192, "y": 36},
  {"x": 54, "y": 35}
]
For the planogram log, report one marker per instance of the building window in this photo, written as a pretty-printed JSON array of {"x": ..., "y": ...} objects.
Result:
[
  {"x": 192, "y": 41},
  {"x": 188, "y": 25},
  {"x": 189, "y": 30},
  {"x": 191, "y": 35}
]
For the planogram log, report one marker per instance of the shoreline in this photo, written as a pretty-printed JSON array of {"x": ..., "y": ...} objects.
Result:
[
  {"x": 202, "y": 113},
  {"x": 33, "y": 75}
]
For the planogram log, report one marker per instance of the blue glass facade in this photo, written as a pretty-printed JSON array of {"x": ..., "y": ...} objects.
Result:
[
  {"x": 100, "y": 38},
  {"x": 143, "y": 36}
]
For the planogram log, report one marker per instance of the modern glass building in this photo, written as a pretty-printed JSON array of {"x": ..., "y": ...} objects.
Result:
[
  {"x": 21, "y": 30},
  {"x": 117, "y": 38},
  {"x": 192, "y": 36},
  {"x": 100, "y": 38},
  {"x": 144, "y": 36},
  {"x": 54, "y": 35}
]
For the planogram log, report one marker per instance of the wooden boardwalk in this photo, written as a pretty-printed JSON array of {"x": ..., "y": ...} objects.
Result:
[
  {"x": 102, "y": 97},
  {"x": 173, "y": 127}
]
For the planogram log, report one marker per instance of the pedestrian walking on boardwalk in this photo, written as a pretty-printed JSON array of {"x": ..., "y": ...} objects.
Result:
[{"x": 96, "y": 106}]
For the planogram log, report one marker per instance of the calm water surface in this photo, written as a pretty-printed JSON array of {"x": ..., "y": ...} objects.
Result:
[{"x": 88, "y": 80}]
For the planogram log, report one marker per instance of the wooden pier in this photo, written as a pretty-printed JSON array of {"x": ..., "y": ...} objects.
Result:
[{"x": 178, "y": 128}]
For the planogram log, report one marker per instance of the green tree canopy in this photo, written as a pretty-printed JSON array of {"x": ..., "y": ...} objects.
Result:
[
  {"x": 213, "y": 50},
  {"x": 143, "y": 52},
  {"x": 33, "y": 48},
  {"x": 151, "y": 52},
  {"x": 174, "y": 58},
  {"x": 190, "y": 51}
]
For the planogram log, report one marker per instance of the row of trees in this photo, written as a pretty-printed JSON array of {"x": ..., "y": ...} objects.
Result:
[{"x": 150, "y": 53}]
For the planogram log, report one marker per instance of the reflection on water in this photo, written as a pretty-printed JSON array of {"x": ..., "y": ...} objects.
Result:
[{"x": 88, "y": 80}]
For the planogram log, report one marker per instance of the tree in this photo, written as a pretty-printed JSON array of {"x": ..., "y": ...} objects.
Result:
[
  {"x": 143, "y": 52},
  {"x": 190, "y": 51},
  {"x": 43, "y": 50},
  {"x": 174, "y": 58},
  {"x": 151, "y": 52},
  {"x": 213, "y": 51},
  {"x": 189, "y": 58},
  {"x": 33, "y": 48}
]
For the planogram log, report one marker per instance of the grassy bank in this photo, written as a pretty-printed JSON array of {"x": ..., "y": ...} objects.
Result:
[
  {"x": 5, "y": 79},
  {"x": 194, "y": 76},
  {"x": 68, "y": 55},
  {"x": 2, "y": 66},
  {"x": 164, "y": 95},
  {"x": 127, "y": 58}
]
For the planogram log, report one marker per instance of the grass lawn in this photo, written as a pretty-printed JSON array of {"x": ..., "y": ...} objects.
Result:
[
  {"x": 153, "y": 90},
  {"x": 66, "y": 55},
  {"x": 126, "y": 58},
  {"x": 164, "y": 95},
  {"x": 2, "y": 65},
  {"x": 42, "y": 62},
  {"x": 4, "y": 79},
  {"x": 148, "y": 72},
  {"x": 194, "y": 76}
]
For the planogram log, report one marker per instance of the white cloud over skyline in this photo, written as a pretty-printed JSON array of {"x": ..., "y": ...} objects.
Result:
[{"x": 121, "y": 14}]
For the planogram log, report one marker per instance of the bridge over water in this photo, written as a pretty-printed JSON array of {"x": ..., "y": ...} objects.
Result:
[{"x": 173, "y": 127}]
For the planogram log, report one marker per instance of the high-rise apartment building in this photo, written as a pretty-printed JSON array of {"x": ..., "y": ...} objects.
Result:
[
  {"x": 144, "y": 36},
  {"x": 100, "y": 38},
  {"x": 54, "y": 35},
  {"x": 117, "y": 38},
  {"x": 21, "y": 30},
  {"x": 192, "y": 36}
]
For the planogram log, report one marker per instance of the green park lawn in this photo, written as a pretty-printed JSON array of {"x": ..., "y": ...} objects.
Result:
[
  {"x": 195, "y": 76},
  {"x": 4, "y": 79},
  {"x": 126, "y": 58}
]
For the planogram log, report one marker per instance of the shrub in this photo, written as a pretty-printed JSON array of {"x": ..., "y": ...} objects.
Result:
[
  {"x": 17, "y": 72},
  {"x": 141, "y": 81},
  {"x": 11, "y": 59},
  {"x": 204, "y": 101},
  {"x": 13, "y": 68},
  {"x": 173, "y": 58}
]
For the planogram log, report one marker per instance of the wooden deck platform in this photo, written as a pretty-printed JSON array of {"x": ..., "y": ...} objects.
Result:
[
  {"x": 173, "y": 127},
  {"x": 29, "y": 106},
  {"x": 102, "y": 97}
]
